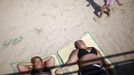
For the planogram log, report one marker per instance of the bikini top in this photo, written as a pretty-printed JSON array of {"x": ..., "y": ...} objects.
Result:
[{"x": 83, "y": 52}]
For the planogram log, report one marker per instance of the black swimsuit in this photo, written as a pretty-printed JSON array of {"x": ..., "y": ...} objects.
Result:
[
  {"x": 83, "y": 52},
  {"x": 45, "y": 70},
  {"x": 93, "y": 69}
]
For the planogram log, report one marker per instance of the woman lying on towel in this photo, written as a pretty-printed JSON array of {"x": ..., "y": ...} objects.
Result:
[
  {"x": 83, "y": 53},
  {"x": 37, "y": 66}
]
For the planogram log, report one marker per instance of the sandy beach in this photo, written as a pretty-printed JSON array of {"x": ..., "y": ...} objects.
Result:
[{"x": 36, "y": 27}]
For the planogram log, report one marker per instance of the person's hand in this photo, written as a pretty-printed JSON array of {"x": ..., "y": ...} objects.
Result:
[{"x": 59, "y": 71}]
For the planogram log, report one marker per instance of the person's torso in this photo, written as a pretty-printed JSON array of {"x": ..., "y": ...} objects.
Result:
[
  {"x": 85, "y": 55},
  {"x": 45, "y": 71},
  {"x": 83, "y": 52}
]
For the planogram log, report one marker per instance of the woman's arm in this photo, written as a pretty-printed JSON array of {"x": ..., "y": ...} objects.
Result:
[
  {"x": 49, "y": 61},
  {"x": 72, "y": 59},
  {"x": 106, "y": 65},
  {"x": 103, "y": 61},
  {"x": 119, "y": 3},
  {"x": 24, "y": 67}
]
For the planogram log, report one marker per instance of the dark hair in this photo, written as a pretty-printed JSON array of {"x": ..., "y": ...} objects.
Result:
[
  {"x": 34, "y": 58},
  {"x": 77, "y": 42}
]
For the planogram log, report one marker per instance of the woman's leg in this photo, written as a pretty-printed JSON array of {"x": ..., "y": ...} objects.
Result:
[
  {"x": 102, "y": 10},
  {"x": 119, "y": 3},
  {"x": 108, "y": 10}
]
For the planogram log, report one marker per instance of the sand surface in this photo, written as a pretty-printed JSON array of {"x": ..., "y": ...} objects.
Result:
[{"x": 36, "y": 27}]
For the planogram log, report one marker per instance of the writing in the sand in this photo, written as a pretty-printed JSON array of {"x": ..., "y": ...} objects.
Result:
[{"x": 14, "y": 41}]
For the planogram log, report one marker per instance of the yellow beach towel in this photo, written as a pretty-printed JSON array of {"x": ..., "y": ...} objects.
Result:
[
  {"x": 65, "y": 52},
  {"x": 14, "y": 64}
]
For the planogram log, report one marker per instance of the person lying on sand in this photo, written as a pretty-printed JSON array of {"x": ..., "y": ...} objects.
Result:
[
  {"x": 37, "y": 66},
  {"x": 83, "y": 53}
]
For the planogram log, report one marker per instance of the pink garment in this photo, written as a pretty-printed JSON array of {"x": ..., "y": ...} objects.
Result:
[{"x": 108, "y": 2}]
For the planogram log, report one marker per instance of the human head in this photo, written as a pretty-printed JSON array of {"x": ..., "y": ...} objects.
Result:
[
  {"x": 79, "y": 44},
  {"x": 37, "y": 62}
]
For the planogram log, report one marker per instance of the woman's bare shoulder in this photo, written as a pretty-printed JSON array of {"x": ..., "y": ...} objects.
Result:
[{"x": 75, "y": 51}]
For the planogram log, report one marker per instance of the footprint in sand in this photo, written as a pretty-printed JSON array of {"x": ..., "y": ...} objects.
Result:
[
  {"x": 97, "y": 19},
  {"x": 101, "y": 21}
]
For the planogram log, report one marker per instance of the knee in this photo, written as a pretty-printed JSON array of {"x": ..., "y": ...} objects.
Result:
[{"x": 103, "y": 7}]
